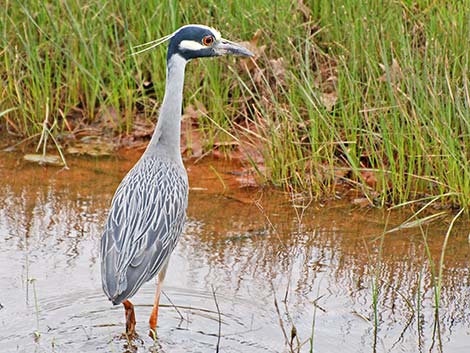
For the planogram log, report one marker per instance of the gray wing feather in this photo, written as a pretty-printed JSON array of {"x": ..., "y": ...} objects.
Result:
[{"x": 144, "y": 224}]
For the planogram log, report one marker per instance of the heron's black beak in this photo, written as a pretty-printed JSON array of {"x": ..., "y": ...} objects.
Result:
[{"x": 226, "y": 47}]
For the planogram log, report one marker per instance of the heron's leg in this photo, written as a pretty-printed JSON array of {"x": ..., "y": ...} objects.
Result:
[
  {"x": 130, "y": 318},
  {"x": 154, "y": 316}
]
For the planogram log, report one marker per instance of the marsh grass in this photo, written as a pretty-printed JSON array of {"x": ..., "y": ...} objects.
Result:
[
  {"x": 433, "y": 268},
  {"x": 372, "y": 93},
  {"x": 375, "y": 282},
  {"x": 37, "y": 332},
  {"x": 437, "y": 270}
]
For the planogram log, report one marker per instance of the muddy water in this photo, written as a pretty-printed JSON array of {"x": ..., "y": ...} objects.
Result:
[{"x": 268, "y": 266}]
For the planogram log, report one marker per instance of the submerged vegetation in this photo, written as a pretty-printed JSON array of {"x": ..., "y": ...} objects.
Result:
[{"x": 369, "y": 93}]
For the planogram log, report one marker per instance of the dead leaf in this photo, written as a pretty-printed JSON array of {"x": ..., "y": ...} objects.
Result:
[
  {"x": 201, "y": 107},
  {"x": 362, "y": 202},
  {"x": 109, "y": 117},
  {"x": 92, "y": 146},
  {"x": 369, "y": 178},
  {"x": 142, "y": 128},
  {"x": 304, "y": 9},
  {"x": 329, "y": 100},
  {"x": 278, "y": 69},
  {"x": 394, "y": 72},
  {"x": 193, "y": 113},
  {"x": 44, "y": 159},
  {"x": 341, "y": 172},
  {"x": 252, "y": 45}
]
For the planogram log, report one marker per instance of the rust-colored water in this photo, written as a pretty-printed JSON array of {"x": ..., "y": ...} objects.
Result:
[{"x": 267, "y": 261}]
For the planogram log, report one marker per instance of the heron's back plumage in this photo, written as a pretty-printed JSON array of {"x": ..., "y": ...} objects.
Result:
[{"x": 145, "y": 222}]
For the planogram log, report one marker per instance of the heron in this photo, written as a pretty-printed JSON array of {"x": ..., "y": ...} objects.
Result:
[{"x": 148, "y": 209}]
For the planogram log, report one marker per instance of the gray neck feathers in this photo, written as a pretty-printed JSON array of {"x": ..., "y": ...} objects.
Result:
[{"x": 165, "y": 140}]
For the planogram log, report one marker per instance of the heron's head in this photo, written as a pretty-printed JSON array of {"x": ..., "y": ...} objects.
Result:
[{"x": 197, "y": 41}]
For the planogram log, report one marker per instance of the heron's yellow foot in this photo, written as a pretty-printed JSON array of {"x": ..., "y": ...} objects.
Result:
[{"x": 153, "y": 334}]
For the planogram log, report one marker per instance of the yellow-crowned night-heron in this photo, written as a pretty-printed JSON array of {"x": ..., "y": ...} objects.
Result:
[{"x": 148, "y": 209}]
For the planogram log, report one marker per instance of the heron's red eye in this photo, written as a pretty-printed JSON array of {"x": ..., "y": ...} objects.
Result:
[{"x": 207, "y": 40}]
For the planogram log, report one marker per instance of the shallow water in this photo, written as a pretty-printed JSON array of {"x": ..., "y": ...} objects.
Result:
[{"x": 268, "y": 265}]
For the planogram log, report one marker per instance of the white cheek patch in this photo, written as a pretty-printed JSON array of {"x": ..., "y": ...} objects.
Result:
[
  {"x": 216, "y": 34},
  {"x": 191, "y": 45}
]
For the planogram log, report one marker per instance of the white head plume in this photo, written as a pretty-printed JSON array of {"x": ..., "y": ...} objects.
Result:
[
  {"x": 152, "y": 44},
  {"x": 155, "y": 43}
]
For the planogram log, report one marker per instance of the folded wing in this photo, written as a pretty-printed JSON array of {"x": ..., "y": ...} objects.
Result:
[{"x": 144, "y": 224}]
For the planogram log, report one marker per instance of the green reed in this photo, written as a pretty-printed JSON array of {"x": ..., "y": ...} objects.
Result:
[{"x": 395, "y": 75}]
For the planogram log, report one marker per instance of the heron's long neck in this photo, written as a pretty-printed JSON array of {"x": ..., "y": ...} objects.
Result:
[{"x": 166, "y": 137}]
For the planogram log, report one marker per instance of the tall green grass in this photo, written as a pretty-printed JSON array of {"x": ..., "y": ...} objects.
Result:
[{"x": 396, "y": 73}]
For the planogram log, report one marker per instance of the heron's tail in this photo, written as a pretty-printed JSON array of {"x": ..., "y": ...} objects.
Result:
[{"x": 113, "y": 285}]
